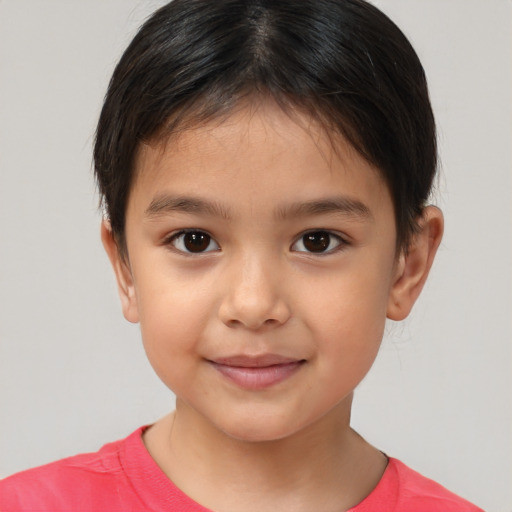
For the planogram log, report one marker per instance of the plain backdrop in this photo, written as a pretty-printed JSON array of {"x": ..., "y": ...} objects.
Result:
[{"x": 73, "y": 374}]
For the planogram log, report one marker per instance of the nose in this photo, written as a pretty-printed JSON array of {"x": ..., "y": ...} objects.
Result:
[{"x": 253, "y": 297}]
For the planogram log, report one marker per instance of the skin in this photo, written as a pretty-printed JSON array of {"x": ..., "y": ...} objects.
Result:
[{"x": 257, "y": 290}]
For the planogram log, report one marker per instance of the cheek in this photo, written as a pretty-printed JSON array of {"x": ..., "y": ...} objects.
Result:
[
  {"x": 353, "y": 300},
  {"x": 349, "y": 313},
  {"x": 173, "y": 316},
  {"x": 348, "y": 341}
]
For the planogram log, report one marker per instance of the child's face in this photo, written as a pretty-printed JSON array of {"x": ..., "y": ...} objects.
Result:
[{"x": 288, "y": 259}]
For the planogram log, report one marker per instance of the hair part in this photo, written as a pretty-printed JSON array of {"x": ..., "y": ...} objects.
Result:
[{"x": 343, "y": 62}]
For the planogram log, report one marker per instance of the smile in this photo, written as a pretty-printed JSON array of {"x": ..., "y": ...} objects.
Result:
[{"x": 256, "y": 373}]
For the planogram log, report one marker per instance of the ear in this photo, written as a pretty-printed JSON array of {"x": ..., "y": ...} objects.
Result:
[
  {"x": 124, "y": 278},
  {"x": 413, "y": 267}
]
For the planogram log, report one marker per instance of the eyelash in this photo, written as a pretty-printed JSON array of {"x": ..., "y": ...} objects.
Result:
[
  {"x": 177, "y": 238},
  {"x": 341, "y": 242}
]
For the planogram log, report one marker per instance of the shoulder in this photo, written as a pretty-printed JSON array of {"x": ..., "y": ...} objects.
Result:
[
  {"x": 75, "y": 483},
  {"x": 421, "y": 494}
]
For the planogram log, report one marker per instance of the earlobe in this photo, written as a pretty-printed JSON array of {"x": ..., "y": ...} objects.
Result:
[
  {"x": 414, "y": 266},
  {"x": 121, "y": 267}
]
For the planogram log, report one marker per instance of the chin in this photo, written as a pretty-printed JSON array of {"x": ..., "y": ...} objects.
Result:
[{"x": 258, "y": 429}]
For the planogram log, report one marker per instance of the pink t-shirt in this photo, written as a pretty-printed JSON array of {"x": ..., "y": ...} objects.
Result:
[{"x": 122, "y": 477}]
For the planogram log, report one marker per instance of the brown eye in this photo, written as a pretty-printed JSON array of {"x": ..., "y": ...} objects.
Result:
[
  {"x": 317, "y": 242},
  {"x": 194, "y": 242}
]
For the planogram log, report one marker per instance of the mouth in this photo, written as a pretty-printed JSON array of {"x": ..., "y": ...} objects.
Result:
[{"x": 257, "y": 373}]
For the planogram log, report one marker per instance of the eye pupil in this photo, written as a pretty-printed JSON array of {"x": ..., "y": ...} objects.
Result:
[
  {"x": 317, "y": 242},
  {"x": 196, "y": 241}
]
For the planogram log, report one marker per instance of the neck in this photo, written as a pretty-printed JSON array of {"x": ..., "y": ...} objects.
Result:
[{"x": 325, "y": 466}]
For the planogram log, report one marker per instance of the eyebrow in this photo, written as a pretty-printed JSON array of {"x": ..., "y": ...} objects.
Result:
[
  {"x": 343, "y": 205},
  {"x": 165, "y": 204},
  {"x": 340, "y": 205}
]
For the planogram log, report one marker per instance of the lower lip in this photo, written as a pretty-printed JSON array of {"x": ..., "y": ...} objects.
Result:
[{"x": 258, "y": 377}]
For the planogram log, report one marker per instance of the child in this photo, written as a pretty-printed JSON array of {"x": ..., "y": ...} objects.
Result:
[{"x": 265, "y": 168}]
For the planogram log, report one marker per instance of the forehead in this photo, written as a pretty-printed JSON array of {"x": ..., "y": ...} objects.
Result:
[{"x": 256, "y": 153}]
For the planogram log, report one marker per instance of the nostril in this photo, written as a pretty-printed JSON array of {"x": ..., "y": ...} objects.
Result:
[{"x": 253, "y": 324}]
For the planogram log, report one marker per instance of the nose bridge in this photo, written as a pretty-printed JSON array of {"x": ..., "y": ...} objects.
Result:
[{"x": 254, "y": 294}]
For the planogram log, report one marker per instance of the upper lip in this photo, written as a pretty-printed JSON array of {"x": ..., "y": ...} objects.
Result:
[{"x": 260, "y": 361}]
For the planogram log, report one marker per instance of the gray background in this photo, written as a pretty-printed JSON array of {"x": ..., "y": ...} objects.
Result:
[{"x": 73, "y": 374}]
